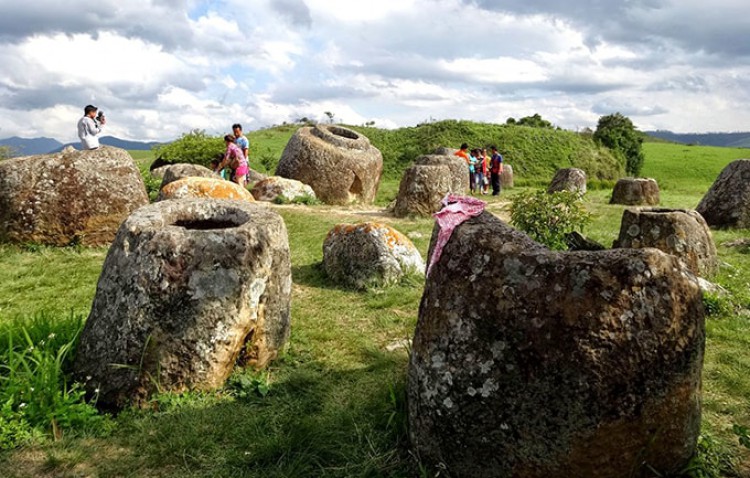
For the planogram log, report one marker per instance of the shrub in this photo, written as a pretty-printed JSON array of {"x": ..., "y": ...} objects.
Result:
[
  {"x": 547, "y": 218},
  {"x": 618, "y": 133},
  {"x": 37, "y": 397},
  {"x": 195, "y": 147}
]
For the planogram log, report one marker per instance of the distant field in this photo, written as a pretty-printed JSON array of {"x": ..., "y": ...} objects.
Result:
[{"x": 336, "y": 405}]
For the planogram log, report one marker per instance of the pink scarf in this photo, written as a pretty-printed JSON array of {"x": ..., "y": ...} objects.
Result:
[{"x": 456, "y": 210}]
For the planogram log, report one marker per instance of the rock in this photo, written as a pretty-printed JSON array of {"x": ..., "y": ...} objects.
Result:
[
  {"x": 727, "y": 202},
  {"x": 68, "y": 197},
  {"x": 369, "y": 254},
  {"x": 339, "y": 164},
  {"x": 506, "y": 177},
  {"x": 158, "y": 173},
  {"x": 186, "y": 170},
  {"x": 635, "y": 192},
  {"x": 421, "y": 190},
  {"x": 207, "y": 188},
  {"x": 578, "y": 242},
  {"x": 680, "y": 232},
  {"x": 254, "y": 176},
  {"x": 270, "y": 188},
  {"x": 568, "y": 179},
  {"x": 444, "y": 151},
  {"x": 187, "y": 288},
  {"x": 458, "y": 168},
  {"x": 533, "y": 363}
]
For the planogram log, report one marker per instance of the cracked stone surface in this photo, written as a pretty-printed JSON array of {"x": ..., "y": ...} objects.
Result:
[
  {"x": 188, "y": 289},
  {"x": 533, "y": 363}
]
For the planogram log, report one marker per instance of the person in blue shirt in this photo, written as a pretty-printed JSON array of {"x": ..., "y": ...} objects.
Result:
[
  {"x": 240, "y": 140},
  {"x": 496, "y": 170}
]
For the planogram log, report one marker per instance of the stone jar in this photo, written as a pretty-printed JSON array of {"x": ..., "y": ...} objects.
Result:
[
  {"x": 185, "y": 170},
  {"x": 680, "y": 232},
  {"x": 339, "y": 164},
  {"x": 458, "y": 168},
  {"x": 568, "y": 179},
  {"x": 727, "y": 202},
  {"x": 369, "y": 254},
  {"x": 188, "y": 289},
  {"x": 70, "y": 197},
  {"x": 532, "y": 363},
  {"x": 635, "y": 192},
  {"x": 272, "y": 187},
  {"x": 421, "y": 190},
  {"x": 506, "y": 177},
  {"x": 195, "y": 187}
]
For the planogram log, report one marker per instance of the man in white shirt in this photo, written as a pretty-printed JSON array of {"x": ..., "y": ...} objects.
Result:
[{"x": 89, "y": 128}]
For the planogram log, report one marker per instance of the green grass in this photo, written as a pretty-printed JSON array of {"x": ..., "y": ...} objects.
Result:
[{"x": 336, "y": 401}]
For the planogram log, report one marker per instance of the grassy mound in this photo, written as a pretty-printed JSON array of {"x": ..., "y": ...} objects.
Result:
[{"x": 534, "y": 153}]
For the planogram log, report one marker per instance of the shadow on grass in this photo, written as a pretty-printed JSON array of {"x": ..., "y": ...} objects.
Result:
[{"x": 314, "y": 422}]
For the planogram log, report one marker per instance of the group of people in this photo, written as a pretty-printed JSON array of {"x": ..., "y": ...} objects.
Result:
[
  {"x": 232, "y": 164},
  {"x": 479, "y": 165}
]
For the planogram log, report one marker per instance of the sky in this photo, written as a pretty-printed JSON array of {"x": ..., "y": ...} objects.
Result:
[{"x": 159, "y": 69}]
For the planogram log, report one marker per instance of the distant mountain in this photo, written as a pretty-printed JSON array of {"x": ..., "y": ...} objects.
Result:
[
  {"x": 28, "y": 147},
  {"x": 740, "y": 139},
  {"x": 112, "y": 141}
]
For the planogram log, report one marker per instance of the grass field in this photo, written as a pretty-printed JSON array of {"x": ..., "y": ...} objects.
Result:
[{"x": 334, "y": 404}]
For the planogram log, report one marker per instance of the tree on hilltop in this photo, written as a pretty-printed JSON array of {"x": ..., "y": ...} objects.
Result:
[
  {"x": 618, "y": 133},
  {"x": 534, "y": 121}
]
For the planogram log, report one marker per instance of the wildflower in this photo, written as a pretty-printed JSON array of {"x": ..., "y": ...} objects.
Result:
[{"x": 22, "y": 405}]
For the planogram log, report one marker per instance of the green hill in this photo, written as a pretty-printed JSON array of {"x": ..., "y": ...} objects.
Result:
[{"x": 534, "y": 153}]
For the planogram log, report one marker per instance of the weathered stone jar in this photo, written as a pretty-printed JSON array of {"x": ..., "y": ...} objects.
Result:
[
  {"x": 727, "y": 202},
  {"x": 506, "y": 177},
  {"x": 339, "y": 164},
  {"x": 458, "y": 168},
  {"x": 532, "y": 363},
  {"x": 188, "y": 288},
  {"x": 680, "y": 232},
  {"x": 369, "y": 254},
  {"x": 635, "y": 192},
  {"x": 68, "y": 197},
  {"x": 197, "y": 187},
  {"x": 568, "y": 179},
  {"x": 421, "y": 190},
  {"x": 185, "y": 170}
]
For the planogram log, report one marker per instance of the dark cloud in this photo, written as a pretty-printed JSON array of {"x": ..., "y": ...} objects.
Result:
[{"x": 295, "y": 12}]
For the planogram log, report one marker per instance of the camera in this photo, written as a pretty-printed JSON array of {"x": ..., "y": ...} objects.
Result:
[{"x": 100, "y": 116}]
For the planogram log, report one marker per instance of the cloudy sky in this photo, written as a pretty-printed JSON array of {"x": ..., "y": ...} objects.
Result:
[{"x": 162, "y": 68}]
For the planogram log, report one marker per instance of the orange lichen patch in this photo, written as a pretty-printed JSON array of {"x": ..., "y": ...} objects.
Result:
[
  {"x": 208, "y": 188},
  {"x": 392, "y": 237}
]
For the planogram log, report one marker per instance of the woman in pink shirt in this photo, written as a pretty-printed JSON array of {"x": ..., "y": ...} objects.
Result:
[{"x": 235, "y": 159}]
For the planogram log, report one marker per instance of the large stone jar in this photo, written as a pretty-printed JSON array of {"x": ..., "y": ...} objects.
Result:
[
  {"x": 188, "y": 289},
  {"x": 636, "y": 192},
  {"x": 532, "y": 363},
  {"x": 339, "y": 164},
  {"x": 196, "y": 187},
  {"x": 68, "y": 197},
  {"x": 727, "y": 202},
  {"x": 506, "y": 177},
  {"x": 458, "y": 168},
  {"x": 185, "y": 170},
  {"x": 568, "y": 179},
  {"x": 680, "y": 232},
  {"x": 422, "y": 189}
]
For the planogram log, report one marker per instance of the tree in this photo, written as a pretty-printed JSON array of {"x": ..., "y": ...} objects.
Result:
[
  {"x": 535, "y": 121},
  {"x": 617, "y": 133},
  {"x": 6, "y": 152},
  {"x": 330, "y": 116},
  {"x": 195, "y": 147}
]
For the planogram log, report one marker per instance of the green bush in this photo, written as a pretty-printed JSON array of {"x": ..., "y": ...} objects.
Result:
[
  {"x": 618, "y": 133},
  {"x": 195, "y": 147},
  {"x": 547, "y": 218}
]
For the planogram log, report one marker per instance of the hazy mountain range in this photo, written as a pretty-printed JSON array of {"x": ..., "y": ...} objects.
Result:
[
  {"x": 740, "y": 139},
  {"x": 31, "y": 146}
]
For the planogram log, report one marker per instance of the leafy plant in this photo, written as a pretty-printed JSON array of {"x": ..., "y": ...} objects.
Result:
[
  {"x": 618, "y": 133},
  {"x": 195, "y": 147},
  {"x": 303, "y": 199},
  {"x": 715, "y": 304},
  {"x": 37, "y": 396},
  {"x": 743, "y": 434},
  {"x": 547, "y": 218},
  {"x": 245, "y": 386},
  {"x": 711, "y": 460}
]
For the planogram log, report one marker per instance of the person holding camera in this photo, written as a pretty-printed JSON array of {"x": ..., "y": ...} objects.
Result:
[{"x": 90, "y": 126}]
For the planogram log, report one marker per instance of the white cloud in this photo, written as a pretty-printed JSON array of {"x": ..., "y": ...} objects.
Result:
[{"x": 163, "y": 68}]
